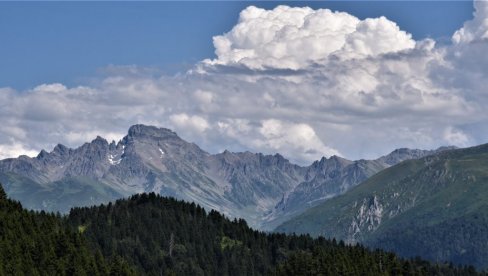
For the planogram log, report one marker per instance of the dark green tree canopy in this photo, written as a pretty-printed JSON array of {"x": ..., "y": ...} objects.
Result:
[{"x": 151, "y": 235}]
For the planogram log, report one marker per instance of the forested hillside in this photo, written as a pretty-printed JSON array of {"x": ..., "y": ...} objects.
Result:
[
  {"x": 151, "y": 235},
  {"x": 160, "y": 235},
  {"x": 34, "y": 243}
]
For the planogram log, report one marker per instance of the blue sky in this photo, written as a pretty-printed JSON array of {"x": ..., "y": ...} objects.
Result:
[
  {"x": 69, "y": 42},
  {"x": 275, "y": 77}
]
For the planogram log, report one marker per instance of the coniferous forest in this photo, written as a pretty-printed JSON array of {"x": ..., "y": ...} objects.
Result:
[
  {"x": 33, "y": 243},
  {"x": 151, "y": 235}
]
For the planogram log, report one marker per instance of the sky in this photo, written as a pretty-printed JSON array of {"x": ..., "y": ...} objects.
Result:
[
  {"x": 304, "y": 79},
  {"x": 46, "y": 42}
]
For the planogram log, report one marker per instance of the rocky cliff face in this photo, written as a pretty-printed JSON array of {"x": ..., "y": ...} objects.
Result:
[
  {"x": 367, "y": 219},
  {"x": 263, "y": 189}
]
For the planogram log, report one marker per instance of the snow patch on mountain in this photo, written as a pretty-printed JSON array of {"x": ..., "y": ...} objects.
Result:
[{"x": 113, "y": 160}]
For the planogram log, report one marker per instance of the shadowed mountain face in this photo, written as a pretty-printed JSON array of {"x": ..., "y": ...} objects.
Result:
[
  {"x": 434, "y": 207},
  {"x": 263, "y": 189}
]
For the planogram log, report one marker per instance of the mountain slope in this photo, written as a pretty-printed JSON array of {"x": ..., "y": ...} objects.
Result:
[
  {"x": 58, "y": 196},
  {"x": 435, "y": 206},
  {"x": 263, "y": 189},
  {"x": 328, "y": 178}
]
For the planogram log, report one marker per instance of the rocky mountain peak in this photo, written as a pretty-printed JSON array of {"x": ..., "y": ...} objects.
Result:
[
  {"x": 97, "y": 144},
  {"x": 100, "y": 140},
  {"x": 140, "y": 130},
  {"x": 280, "y": 158},
  {"x": 42, "y": 154},
  {"x": 227, "y": 153},
  {"x": 339, "y": 160},
  {"x": 333, "y": 162},
  {"x": 228, "y": 157},
  {"x": 403, "y": 154},
  {"x": 61, "y": 148},
  {"x": 59, "y": 151},
  {"x": 113, "y": 145}
]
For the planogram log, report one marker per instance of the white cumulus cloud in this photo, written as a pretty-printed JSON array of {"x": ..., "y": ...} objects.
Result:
[
  {"x": 189, "y": 123},
  {"x": 52, "y": 87},
  {"x": 300, "y": 139},
  {"x": 294, "y": 38},
  {"x": 476, "y": 29},
  {"x": 456, "y": 137},
  {"x": 12, "y": 150}
]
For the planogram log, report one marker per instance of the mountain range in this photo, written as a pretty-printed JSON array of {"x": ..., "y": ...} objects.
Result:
[
  {"x": 266, "y": 190},
  {"x": 434, "y": 207}
]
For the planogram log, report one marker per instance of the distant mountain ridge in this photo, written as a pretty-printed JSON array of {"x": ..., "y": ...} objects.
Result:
[{"x": 263, "y": 189}]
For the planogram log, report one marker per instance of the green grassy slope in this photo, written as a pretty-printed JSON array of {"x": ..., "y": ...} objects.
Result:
[
  {"x": 435, "y": 207},
  {"x": 60, "y": 195}
]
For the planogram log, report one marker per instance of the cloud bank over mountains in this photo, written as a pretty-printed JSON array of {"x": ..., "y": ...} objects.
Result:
[{"x": 302, "y": 82}]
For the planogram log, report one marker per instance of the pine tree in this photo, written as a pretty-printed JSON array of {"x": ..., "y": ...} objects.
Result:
[
  {"x": 3, "y": 195},
  {"x": 171, "y": 244}
]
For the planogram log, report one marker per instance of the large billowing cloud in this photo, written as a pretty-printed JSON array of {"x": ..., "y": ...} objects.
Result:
[
  {"x": 295, "y": 38},
  {"x": 476, "y": 29},
  {"x": 302, "y": 82}
]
